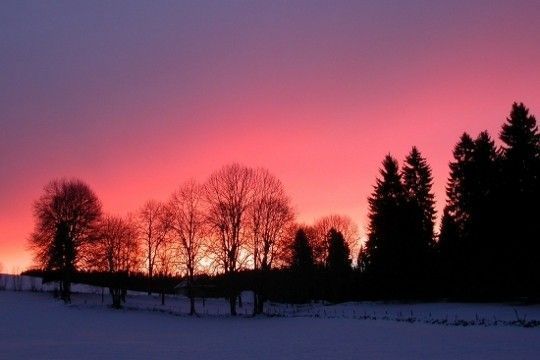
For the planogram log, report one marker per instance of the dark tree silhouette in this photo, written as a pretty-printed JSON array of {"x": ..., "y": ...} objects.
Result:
[
  {"x": 458, "y": 189},
  {"x": 269, "y": 218},
  {"x": 302, "y": 266},
  {"x": 361, "y": 259},
  {"x": 302, "y": 253},
  {"x": 338, "y": 261},
  {"x": 420, "y": 215},
  {"x": 116, "y": 251},
  {"x": 521, "y": 197},
  {"x": 387, "y": 247},
  {"x": 448, "y": 247},
  {"x": 154, "y": 229},
  {"x": 469, "y": 243},
  {"x": 229, "y": 193},
  {"x": 338, "y": 266},
  {"x": 481, "y": 231},
  {"x": 66, "y": 218},
  {"x": 451, "y": 239},
  {"x": 342, "y": 223},
  {"x": 187, "y": 221},
  {"x": 418, "y": 182},
  {"x": 62, "y": 254}
]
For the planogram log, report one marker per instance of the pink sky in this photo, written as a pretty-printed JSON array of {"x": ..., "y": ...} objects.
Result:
[{"x": 135, "y": 99}]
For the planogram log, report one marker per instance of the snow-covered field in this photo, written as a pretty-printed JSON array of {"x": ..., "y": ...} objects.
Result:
[{"x": 34, "y": 325}]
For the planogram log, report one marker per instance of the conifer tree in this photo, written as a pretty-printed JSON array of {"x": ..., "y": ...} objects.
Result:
[
  {"x": 339, "y": 261},
  {"x": 302, "y": 254},
  {"x": 386, "y": 244},
  {"x": 451, "y": 238},
  {"x": 418, "y": 182},
  {"x": 521, "y": 197}
]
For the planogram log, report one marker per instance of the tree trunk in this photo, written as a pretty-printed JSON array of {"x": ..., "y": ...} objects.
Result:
[
  {"x": 123, "y": 295},
  {"x": 66, "y": 290},
  {"x": 255, "y": 303},
  {"x": 232, "y": 304},
  {"x": 260, "y": 304},
  {"x": 116, "y": 296},
  {"x": 191, "y": 294},
  {"x": 191, "y": 305}
]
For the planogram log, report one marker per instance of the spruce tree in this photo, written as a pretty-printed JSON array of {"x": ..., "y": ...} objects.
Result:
[
  {"x": 302, "y": 254},
  {"x": 458, "y": 192},
  {"x": 418, "y": 182},
  {"x": 338, "y": 261},
  {"x": 302, "y": 266},
  {"x": 469, "y": 240},
  {"x": 386, "y": 247},
  {"x": 481, "y": 233},
  {"x": 521, "y": 198}
]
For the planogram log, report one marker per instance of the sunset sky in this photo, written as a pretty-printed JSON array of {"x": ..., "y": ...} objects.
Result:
[{"x": 135, "y": 97}]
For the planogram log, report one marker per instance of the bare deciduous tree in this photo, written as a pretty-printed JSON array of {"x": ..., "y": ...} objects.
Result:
[
  {"x": 66, "y": 217},
  {"x": 187, "y": 221},
  {"x": 153, "y": 230},
  {"x": 322, "y": 226},
  {"x": 228, "y": 194},
  {"x": 116, "y": 250},
  {"x": 269, "y": 218}
]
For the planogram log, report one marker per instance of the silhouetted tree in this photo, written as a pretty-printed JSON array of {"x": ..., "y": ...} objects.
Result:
[
  {"x": 154, "y": 229},
  {"x": 302, "y": 265},
  {"x": 390, "y": 251},
  {"x": 302, "y": 253},
  {"x": 361, "y": 259},
  {"x": 456, "y": 213},
  {"x": 386, "y": 210},
  {"x": 468, "y": 241},
  {"x": 449, "y": 250},
  {"x": 229, "y": 193},
  {"x": 521, "y": 197},
  {"x": 269, "y": 218},
  {"x": 484, "y": 247},
  {"x": 459, "y": 189},
  {"x": 116, "y": 251},
  {"x": 66, "y": 218},
  {"x": 187, "y": 220},
  {"x": 338, "y": 266},
  {"x": 342, "y": 223},
  {"x": 338, "y": 261},
  {"x": 62, "y": 256},
  {"x": 418, "y": 183}
]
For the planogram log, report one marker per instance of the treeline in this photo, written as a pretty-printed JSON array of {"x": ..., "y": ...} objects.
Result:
[
  {"x": 239, "y": 225},
  {"x": 488, "y": 246},
  {"x": 239, "y": 218}
]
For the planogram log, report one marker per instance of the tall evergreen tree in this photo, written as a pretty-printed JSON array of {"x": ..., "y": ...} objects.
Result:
[
  {"x": 448, "y": 244},
  {"x": 418, "y": 182},
  {"x": 521, "y": 198},
  {"x": 458, "y": 189},
  {"x": 456, "y": 214},
  {"x": 339, "y": 261},
  {"x": 302, "y": 253},
  {"x": 387, "y": 247},
  {"x": 481, "y": 234},
  {"x": 469, "y": 241},
  {"x": 302, "y": 266}
]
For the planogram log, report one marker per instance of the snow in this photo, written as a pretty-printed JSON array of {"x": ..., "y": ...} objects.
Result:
[{"x": 34, "y": 325}]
